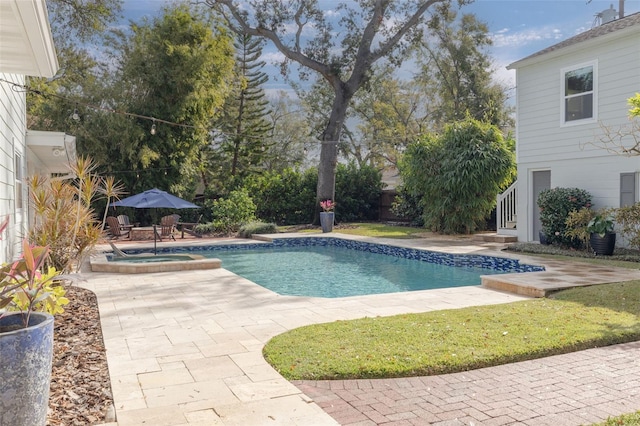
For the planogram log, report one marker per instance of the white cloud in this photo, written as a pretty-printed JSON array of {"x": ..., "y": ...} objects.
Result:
[
  {"x": 272, "y": 57},
  {"x": 506, "y": 38}
]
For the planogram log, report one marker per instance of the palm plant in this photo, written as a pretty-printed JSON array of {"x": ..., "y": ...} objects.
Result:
[{"x": 64, "y": 219}]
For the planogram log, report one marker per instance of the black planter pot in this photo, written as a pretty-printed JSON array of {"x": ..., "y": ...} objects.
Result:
[
  {"x": 603, "y": 246},
  {"x": 25, "y": 369},
  {"x": 543, "y": 238}
]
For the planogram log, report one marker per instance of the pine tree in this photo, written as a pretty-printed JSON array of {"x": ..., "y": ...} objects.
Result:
[{"x": 244, "y": 125}]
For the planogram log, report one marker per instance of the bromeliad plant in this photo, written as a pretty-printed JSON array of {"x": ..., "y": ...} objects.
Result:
[
  {"x": 327, "y": 205},
  {"x": 25, "y": 288}
]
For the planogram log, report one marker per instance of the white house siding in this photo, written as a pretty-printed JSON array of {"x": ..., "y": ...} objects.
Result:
[
  {"x": 12, "y": 141},
  {"x": 568, "y": 152}
]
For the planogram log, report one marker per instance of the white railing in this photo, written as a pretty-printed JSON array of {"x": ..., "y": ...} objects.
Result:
[{"x": 506, "y": 213}]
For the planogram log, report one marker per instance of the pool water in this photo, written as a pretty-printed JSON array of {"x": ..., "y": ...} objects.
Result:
[
  {"x": 336, "y": 267},
  {"x": 329, "y": 271}
]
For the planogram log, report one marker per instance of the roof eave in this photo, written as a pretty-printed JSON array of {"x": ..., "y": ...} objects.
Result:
[
  {"x": 25, "y": 27},
  {"x": 605, "y": 38}
]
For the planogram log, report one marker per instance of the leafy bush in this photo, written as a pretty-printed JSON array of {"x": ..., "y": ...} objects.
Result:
[
  {"x": 358, "y": 191},
  {"x": 455, "y": 176},
  {"x": 289, "y": 197},
  {"x": 232, "y": 212},
  {"x": 253, "y": 228},
  {"x": 286, "y": 198},
  {"x": 577, "y": 225},
  {"x": 406, "y": 205},
  {"x": 629, "y": 219},
  {"x": 555, "y": 205}
]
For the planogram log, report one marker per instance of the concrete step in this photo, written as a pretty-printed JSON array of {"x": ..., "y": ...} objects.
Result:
[{"x": 492, "y": 237}]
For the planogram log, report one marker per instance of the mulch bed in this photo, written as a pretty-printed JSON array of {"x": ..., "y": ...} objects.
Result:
[{"x": 80, "y": 392}]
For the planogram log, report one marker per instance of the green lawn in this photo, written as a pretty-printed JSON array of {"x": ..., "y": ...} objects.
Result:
[{"x": 460, "y": 339}]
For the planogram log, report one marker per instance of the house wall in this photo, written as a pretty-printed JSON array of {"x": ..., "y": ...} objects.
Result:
[
  {"x": 12, "y": 141},
  {"x": 569, "y": 151}
]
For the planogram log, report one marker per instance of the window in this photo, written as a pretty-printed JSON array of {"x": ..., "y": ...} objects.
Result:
[
  {"x": 18, "y": 177},
  {"x": 627, "y": 189},
  {"x": 579, "y": 96}
]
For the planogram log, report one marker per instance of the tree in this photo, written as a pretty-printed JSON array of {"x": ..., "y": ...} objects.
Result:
[
  {"x": 170, "y": 77},
  {"x": 244, "y": 122},
  {"x": 290, "y": 136},
  {"x": 81, "y": 20},
  {"x": 624, "y": 139},
  {"x": 391, "y": 114},
  {"x": 342, "y": 52},
  {"x": 73, "y": 23},
  {"x": 455, "y": 176},
  {"x": 456, "y": 71}
]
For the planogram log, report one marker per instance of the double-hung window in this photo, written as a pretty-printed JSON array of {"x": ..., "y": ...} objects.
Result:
[{"x": 579, "y": 98}]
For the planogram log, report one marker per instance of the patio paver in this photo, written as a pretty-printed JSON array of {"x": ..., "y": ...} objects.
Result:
[{"x": 184, "y": 348}]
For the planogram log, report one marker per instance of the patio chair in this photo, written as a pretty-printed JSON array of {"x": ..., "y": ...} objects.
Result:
[
  {"x": 189, "y": 228},
  {"x": 115, "y": 229},
  {"x": 167, "y": 226},
  {"x": 124, "y": 221}
]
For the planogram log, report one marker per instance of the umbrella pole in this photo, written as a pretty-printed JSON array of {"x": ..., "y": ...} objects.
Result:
[{"x": 154, "y": 240}]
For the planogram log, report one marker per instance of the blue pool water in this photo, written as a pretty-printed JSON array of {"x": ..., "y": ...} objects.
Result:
[{"x": 332, "y": 267}]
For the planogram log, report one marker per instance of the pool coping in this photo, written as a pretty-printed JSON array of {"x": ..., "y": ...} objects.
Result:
[
  {"x": 557, "y": 276},
  {"x": 100, "y": 263}
]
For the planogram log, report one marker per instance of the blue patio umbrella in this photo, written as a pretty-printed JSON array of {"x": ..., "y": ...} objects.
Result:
[{"x": 155, "y": 198}]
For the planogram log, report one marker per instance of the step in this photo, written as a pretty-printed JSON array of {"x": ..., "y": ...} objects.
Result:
[{"x": 492, "y": 237}]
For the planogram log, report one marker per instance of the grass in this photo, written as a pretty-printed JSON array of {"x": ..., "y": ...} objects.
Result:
[
  {"x": 381, "y": 230},
  {"x": 460, "y": 339},
  {"x": 632, "y": 419}
]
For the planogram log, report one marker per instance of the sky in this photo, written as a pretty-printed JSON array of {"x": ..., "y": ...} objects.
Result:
[{"x": 518, "y": 28}]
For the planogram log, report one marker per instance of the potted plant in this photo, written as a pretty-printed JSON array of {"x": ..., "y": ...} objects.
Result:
[
  {"x": 601, "y": 236},
  {"x": 327, "y": 215},
  {"x": 28, "y": 298}
]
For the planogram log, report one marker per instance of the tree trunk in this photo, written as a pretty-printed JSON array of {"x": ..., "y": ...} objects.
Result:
[{"x": 329, "y": 149}]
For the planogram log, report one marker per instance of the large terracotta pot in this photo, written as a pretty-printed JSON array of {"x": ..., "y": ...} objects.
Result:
[{"x": 25, "y": 369}]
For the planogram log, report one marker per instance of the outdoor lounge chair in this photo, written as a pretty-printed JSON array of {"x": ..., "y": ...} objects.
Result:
[
  {"x": 123, "y": 219},
  {"x": 167, "y": 226},
  {"x": 115, "y": 229}
]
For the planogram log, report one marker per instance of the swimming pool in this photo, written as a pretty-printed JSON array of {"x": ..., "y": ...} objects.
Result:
[{"x": 333, "y": 267}]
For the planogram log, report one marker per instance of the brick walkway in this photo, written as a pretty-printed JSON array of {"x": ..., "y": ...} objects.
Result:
[{"x": 574, "y": 389}]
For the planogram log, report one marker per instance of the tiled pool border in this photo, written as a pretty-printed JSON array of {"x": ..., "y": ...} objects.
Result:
[{"x": 494, "y": 263}]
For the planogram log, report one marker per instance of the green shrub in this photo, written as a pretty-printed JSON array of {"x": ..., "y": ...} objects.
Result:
[
  {"x": 629, "y": 219},
  {"x": 577, "y": 225},
  {"x": 407, "y": 205},
  {"x": 358, "y": 191},
  {"x": 289, "y": 197},
  {"x": 204, "y": 228},
  {"x": 456, "y": 175},
  {"x": 232, "y": 212},
  {"x": 555, "y": 205},
  {"x": 253, "y": 228},
  {"x": 286, "y": 198}
]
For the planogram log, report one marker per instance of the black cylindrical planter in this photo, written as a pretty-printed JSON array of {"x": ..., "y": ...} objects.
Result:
[
  {"x": 603, "y": 246},
  {"x": 543, "y": 238},
  {"x": 25, "y": 370}
]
